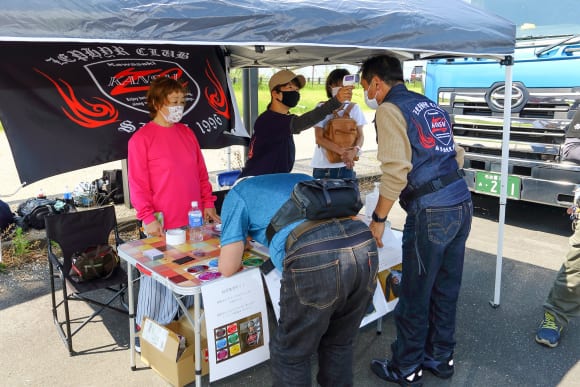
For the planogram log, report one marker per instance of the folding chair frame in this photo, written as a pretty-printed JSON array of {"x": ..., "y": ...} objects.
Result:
[{"x": 91, "y": 227}]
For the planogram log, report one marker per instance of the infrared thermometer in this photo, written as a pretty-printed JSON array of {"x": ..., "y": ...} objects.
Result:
[{"x": 350, "y": 80}]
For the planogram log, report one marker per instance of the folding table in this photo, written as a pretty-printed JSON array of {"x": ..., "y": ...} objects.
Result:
[{"x": 167, "y": 270}]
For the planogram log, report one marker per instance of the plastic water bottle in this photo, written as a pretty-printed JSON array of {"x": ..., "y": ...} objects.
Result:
[
  {"x": 195, "y": 219},
  {"x": 371, "y": 200},
  {"x": 67, "y": 195}
]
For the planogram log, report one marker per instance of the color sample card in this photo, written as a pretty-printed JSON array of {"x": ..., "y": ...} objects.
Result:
[{"x": 238, "y": 337}]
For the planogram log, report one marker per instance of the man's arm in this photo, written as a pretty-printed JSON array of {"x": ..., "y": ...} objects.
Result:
[
  {"x": 394, "y": 152},
  {"x": 459, "y": 155},
  {"x": 230, "y": 260},
  {"x": 311, "y": 118}
]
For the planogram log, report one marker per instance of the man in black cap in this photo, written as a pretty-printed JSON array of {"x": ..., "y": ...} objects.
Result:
[{"x": 272, "y": 148}]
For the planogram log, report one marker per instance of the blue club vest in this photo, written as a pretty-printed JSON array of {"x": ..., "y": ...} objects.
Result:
[{"x": 433, "y": 149}]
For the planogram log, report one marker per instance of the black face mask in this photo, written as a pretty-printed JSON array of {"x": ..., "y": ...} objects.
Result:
[{"x": 290, "y": 98}]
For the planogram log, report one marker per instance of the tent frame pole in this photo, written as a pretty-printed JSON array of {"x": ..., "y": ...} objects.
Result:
[
  {"x": 508, "y": 63},
  {"x": 250, "y": 100}
]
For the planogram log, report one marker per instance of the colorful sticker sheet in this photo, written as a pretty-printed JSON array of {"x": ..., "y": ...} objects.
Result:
[
  {"x": 238, "y": 337},
  {"x": 186, "y": 265}
]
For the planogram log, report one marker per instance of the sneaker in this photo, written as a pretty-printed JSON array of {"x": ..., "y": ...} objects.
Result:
[
  {"x": 441, "y": 368},
  {"x": 549, "y": 331},
  {"x": 387, "y": 372}
]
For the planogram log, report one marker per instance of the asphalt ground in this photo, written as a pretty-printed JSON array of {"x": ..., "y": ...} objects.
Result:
[{"x": 495, "y": 346}]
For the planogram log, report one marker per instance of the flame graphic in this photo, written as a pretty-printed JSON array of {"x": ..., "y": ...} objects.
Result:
[
  {"x": 251, "y": 151},
  {"x": 426, "y": 141},
  {"x": 84, "y": 113},
  {"x": 217, "y": 100}
]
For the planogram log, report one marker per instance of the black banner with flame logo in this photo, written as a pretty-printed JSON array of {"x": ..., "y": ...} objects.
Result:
[{"x": 66, "y": 106}]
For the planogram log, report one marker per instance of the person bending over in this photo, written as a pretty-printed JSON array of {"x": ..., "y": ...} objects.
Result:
[{"x": 329, "y": 275}]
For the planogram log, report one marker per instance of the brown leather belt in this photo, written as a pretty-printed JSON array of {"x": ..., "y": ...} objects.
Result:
[
  {"x": 307, "y": 226},
  {"x": 298, "y": 231}
]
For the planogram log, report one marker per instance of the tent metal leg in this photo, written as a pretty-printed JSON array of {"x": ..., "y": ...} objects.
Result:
[{"x": 508, "y": 62}]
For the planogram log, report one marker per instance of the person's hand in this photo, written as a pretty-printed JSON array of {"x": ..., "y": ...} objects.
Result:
[
  {"x": 344, "y": 94},
  {"x": 348, "y": 156},
  {"x": 377, "y": 229},
  {"x": 210, "y": 214},
  {"x": 248, "y": 246},
  {"x": 153, "y": 229}
]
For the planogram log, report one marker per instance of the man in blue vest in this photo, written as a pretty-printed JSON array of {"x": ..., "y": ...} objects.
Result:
[{"x": 420, "y": 166}]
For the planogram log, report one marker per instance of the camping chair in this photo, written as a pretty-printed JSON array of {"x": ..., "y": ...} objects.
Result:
[{"x": 74, "y": 232}]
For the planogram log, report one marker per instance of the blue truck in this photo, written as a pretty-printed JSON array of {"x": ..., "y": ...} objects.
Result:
[{"x": 545, "y": 97}]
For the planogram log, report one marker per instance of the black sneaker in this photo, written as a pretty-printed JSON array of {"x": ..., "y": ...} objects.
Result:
[
  {"x": 387, "y": 372},
  {"x": 441, "y": 368}
]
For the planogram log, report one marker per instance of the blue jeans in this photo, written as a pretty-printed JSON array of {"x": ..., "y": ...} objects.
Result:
[
  {"x": 333, "y": 173},
  {"x": 433, "y": 253},
  {"x": 328, "y": 280}
]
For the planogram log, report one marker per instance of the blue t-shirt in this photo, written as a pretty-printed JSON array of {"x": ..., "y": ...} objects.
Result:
[{"x": 250, "y": 205}]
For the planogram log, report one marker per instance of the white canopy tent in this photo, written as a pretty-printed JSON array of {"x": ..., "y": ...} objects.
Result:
[{"x": 277, "y": 33}]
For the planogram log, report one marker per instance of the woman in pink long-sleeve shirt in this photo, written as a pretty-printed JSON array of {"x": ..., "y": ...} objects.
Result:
[
  {"x": 166, "y": 167},
  {"x": 166, "y": 173}
]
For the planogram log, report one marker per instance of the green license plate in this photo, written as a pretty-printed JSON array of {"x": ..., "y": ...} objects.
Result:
[{"x": 489, "y": 183}]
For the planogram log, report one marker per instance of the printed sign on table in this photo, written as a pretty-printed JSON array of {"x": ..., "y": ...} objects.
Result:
[{"x": 237, "y": 323}]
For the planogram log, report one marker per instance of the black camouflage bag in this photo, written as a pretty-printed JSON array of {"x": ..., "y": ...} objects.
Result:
[
  {"x": 32, "y": 212},
  {"x": 95, "y": 262},
  {"x": 6, "y": 216}
]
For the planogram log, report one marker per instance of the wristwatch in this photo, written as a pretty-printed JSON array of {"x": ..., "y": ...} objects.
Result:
[{"x": 377, "y": 219}]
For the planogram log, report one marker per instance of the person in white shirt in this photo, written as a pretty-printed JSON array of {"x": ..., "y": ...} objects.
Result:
[{"x": 322, "y": 167}]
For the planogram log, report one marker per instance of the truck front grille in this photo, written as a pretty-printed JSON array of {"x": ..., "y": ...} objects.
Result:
[{"x": 537, "y": 129}]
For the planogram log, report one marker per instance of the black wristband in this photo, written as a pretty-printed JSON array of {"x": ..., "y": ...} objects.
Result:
[{"x": 377, "y": 219}]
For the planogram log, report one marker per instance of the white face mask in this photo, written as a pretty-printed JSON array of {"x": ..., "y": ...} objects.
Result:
[
  {"x": 371, "y": 103},
  {"x": 175, "y": 114},
  {"x": 334, "y": 91}
]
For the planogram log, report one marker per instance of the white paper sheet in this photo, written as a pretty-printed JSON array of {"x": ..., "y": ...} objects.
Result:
[{"x": 237, "y": 323}]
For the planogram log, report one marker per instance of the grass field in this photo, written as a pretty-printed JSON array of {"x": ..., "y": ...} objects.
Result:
[{"x": 310, "y": 96}]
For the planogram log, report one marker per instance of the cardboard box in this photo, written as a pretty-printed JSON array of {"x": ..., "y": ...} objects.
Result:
[{"x": 160, "y": 350}]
